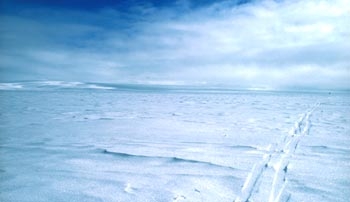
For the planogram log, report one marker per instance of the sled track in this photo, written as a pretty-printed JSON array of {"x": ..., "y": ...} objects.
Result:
[{"x": 273, "y": 168}]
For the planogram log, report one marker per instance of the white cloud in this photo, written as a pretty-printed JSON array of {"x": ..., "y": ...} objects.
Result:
[{"x": 264, "y": 43}]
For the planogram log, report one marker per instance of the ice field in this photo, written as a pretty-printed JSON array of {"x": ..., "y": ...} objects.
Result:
[{"x": 70, "y": 141}]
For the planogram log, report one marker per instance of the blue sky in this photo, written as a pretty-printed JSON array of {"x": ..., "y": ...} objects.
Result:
[{"x": 251, "y": 44}]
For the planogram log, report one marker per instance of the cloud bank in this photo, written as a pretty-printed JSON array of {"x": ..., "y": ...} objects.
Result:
[{"x": 255, "y": 44}]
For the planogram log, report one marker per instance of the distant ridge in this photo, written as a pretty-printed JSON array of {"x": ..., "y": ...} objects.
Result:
[{"x": 140, "y": 87}]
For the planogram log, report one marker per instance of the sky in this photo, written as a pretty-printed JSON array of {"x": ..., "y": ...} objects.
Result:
[{"x": 264, "y": 44}]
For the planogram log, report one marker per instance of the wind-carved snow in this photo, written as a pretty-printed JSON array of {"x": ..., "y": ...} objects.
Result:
[
  {"x": 75, "y": 142},
  {"x": 277, "y": 157},
  {"x": 128, "y": 188}
]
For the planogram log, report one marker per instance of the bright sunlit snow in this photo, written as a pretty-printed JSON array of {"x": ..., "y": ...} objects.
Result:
[{"x": 72, "y": 141}]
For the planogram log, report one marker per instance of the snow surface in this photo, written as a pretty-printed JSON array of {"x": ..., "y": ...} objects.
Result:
[{"x": 70, "y": 141}]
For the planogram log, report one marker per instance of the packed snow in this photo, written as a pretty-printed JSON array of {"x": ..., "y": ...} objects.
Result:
[{"x": 72, "y": 141}]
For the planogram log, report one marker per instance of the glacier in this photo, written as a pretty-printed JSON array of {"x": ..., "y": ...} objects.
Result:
[{"x": 74, "y": 141}]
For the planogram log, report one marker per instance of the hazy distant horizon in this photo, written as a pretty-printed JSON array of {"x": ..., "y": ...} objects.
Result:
[{"x": 142, "y": 86}]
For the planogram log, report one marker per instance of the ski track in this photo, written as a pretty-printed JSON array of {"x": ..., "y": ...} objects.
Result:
[{"x": 281, "y": 153}]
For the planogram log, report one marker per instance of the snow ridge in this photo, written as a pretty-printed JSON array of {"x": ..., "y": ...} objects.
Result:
[{"x": 277, "y": 157}]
